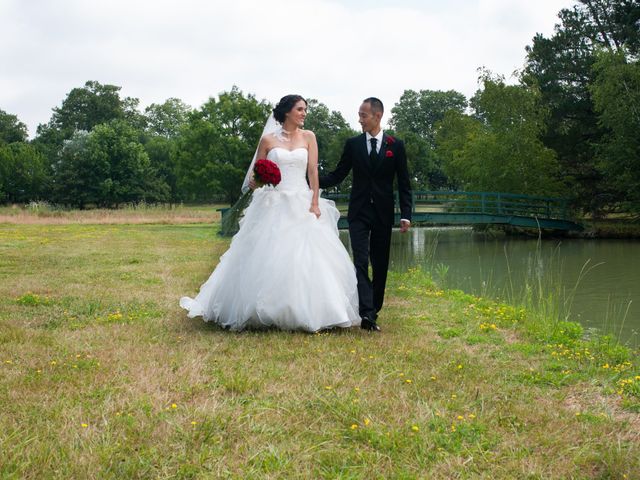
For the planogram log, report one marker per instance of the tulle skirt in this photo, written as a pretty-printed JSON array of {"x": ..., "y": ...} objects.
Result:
[{"x": 285, "y": 268}]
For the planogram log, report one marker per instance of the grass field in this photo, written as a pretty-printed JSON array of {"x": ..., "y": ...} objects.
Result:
[{"x": 103, "y": 376}]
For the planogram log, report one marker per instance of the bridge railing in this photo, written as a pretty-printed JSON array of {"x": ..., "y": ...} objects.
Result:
[{"x": 487, "y": 203}]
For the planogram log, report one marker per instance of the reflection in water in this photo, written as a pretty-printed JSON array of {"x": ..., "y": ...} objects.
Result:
[{"x": 595, "y": 282}]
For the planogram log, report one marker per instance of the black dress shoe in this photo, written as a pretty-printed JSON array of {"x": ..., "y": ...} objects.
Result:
[{"x": 370, "y": 325}]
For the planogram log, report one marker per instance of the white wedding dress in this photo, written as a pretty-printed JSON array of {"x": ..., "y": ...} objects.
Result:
[{"x": 285, "y": 268}]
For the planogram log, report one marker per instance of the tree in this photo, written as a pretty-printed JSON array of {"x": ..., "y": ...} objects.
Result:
[
  {"x": 562, "y": 68},
  {"x": 216, "y": 146},
  {"x": 414, "y": 117},
  {"x": 418, "y": 112},
  {"x": 616, "y": 96},
  {"x": 500, "y": 149},
  {"x": 23, "y": 173},
  {"x": 163, "y": 152},
  {"x": 163, "y": 124},
  {"x": 83, "y": 109},
  {"x": 11, "y": 129},
  {"x": 107, "y": 167},
  {"x": 331, "y": 130},
  {"x": 77, "y": 177},
  {"x": 423, "y": 163},
  {"x": 166, "y": 119},
  {"x": 88, "y": 106}
]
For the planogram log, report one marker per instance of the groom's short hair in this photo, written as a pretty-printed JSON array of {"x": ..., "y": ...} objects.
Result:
[{"x": 376, "y": 104}]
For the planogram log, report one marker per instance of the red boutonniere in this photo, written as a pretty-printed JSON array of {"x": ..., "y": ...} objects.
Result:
[{"x": 389, "y": 154}]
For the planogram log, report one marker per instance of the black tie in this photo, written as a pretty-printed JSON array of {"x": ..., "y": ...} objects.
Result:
[{"x": 373, "y": 156}]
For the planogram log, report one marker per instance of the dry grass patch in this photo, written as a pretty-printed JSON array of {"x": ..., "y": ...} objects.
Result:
[{"x": 137, "y": 214}]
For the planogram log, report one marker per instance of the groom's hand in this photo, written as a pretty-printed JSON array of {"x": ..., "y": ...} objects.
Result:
[{"x": 404, "y": 226}]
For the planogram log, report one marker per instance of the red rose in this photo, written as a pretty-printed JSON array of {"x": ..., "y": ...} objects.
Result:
[
  {"x": 389, "y": 154},
  {"x": 267, "y": 172}
]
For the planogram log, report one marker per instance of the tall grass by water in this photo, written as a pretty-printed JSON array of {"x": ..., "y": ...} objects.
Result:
[{"x": 540, "y": 283}]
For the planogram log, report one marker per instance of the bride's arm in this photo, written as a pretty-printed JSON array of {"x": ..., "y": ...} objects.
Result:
[{"x": 312, "y": 172}]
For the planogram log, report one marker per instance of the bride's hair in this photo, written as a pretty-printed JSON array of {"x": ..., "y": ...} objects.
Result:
[{"x": 285, "y": 105}]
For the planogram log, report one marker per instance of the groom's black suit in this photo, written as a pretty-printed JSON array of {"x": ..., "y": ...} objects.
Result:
[{"x": 371, "y": 211}]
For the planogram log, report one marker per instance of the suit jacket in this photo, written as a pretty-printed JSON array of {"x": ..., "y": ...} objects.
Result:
[{"x": 371, "y": 183}]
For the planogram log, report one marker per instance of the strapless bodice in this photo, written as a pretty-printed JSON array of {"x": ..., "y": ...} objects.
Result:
[{"x": 293, "y": 167}]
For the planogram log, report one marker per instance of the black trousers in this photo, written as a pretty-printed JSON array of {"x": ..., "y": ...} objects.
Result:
[{"x": 370, "y": 241}]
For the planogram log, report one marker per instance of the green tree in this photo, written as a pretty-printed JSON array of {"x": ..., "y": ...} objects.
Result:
[
  {"x": 423, "y": 163},
  {"x": 216, "y": 146},
  {"x": 499, "y": 148},
  {"x": 163, "y": 152},
  {"x": 414, "y": 118},
  {"x": 562, "y": 67},
  {"x": 77, "y": 177},
  {"x": 166, "y": 119},
  {"x": 83, "y": 109},
  {"x": 331, "y": 130},
  {"x": 163, "y": 124},
  {"x": 418, "y": 112},
  {"x": 616, "y": 95},
  {"x": 23, "y": 173},
  {"x": 91, "y": 105},
  {"x": 107, "y": 167},
  {"x": 11, "y": 129}
]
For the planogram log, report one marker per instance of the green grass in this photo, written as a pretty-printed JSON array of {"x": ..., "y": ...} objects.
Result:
[{"x": 102, "y": 375}]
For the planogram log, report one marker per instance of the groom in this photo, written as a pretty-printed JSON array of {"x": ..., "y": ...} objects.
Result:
[{"x": 375, "y": 159}]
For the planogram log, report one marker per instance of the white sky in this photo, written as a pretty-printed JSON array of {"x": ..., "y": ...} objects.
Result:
[{"x": 338, "y": 52}]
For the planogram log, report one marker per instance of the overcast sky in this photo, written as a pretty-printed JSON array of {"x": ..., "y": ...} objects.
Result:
[{"x": 338, "y": 52}]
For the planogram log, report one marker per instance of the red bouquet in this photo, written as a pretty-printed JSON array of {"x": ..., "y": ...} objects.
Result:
[{"x": 265, "y": 172}]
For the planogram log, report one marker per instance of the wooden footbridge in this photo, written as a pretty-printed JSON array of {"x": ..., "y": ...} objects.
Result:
[{"x": 479, "y": 208}]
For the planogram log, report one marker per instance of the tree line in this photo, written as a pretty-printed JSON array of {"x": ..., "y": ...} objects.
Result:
[{"x": 567, "y": 127}]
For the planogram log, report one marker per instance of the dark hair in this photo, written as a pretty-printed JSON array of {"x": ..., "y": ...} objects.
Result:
[
  {"x": 285, "y": 105},
  {"x": 376, "y": 104}
]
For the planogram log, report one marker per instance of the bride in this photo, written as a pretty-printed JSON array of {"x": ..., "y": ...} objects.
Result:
[{"x": 286, "y": 267}]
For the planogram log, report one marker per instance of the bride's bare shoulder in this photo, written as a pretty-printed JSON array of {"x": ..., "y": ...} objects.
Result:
[
  {"x": 308, "y": 134},
  {"x": 267, "y": 140}
]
